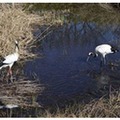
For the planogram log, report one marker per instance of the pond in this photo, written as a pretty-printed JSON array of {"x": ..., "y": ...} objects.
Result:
[{"x": 63, "y": 69}]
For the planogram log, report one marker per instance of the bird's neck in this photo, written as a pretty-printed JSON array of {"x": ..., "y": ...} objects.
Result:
[{"x": 95, "y": 54}]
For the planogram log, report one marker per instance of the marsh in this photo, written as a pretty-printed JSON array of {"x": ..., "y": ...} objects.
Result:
[
  {"x": 62, "y": 39},
  {"x": 63, "y": 68}
]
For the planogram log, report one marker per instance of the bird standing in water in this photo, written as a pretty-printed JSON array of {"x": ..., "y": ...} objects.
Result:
[
  {"x": 102, "y": 50},
  {"x": 10, "y": 60}
]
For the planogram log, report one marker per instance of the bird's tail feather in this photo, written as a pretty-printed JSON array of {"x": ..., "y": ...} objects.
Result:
[{"x": 1, "y": 65}]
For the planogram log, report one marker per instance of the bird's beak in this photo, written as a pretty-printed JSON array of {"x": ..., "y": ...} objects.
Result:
[{"x": 17, "y": 45}]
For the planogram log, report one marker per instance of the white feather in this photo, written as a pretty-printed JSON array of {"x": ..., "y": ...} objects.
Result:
[
  {"x": 11, "y": 58},
  {"x": 103, "y": 49}
]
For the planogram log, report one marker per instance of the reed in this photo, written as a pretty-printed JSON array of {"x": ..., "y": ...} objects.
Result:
[
  {"x": 102, "y": 107},
  {"x": 16, "y": 23}
]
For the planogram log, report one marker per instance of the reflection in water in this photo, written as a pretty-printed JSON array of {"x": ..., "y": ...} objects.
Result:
[{"x": 64, "y": 70}]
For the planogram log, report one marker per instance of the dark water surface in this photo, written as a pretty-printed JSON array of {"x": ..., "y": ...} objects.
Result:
[{"x": 63, "y": 69}]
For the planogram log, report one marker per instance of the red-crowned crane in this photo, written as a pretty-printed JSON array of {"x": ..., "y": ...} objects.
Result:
[{"x": 103, "y": 50}]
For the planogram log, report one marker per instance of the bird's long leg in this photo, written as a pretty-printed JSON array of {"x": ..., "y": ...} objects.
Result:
[
  {"x": 101, "y": 61},
  {"x": 10, "y": 74},
  {"x": 11, "y": 77},
  {"x": 10, "y": 71},
  {"x": 104, "y": 60}
]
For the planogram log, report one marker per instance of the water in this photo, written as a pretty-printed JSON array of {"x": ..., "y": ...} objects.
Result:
[{"x": 63, "y": 69}]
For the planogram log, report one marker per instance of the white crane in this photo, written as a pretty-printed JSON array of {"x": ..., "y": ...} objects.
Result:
[
  {"x": 102, "y": 50},
  {"x": 10, "y": 59}
]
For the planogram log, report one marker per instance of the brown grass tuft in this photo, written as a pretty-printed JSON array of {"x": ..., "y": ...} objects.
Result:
[
  {"x": 17, "y": 24},
  {"x": 103, "y": 107},
  {"x": 22, "y": 93}
]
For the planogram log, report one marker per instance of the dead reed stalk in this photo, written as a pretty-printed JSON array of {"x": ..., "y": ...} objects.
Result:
[
  {"x": 103, "y": 107},
  {"x": 17, "y": 24}
]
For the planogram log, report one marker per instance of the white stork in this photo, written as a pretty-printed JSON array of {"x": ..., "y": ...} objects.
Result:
[{"x": 10, "y": 60}]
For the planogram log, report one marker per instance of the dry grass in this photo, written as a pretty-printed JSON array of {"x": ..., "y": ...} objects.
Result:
[
  {"x": 22, "y": 92},
  {"x": 17, "y": 24},
  {"x": 103, "y": 107}
]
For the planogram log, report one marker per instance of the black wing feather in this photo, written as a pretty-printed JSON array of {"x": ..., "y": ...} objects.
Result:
[{"x": 1, "y": 61}]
